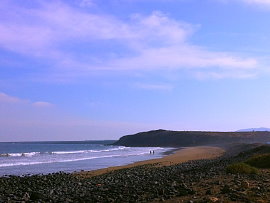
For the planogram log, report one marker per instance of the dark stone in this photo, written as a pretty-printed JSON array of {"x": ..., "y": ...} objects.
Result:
[{"x": 36, "y": 196}]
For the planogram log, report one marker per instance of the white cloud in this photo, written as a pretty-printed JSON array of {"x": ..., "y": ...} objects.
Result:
[
  {"x": 151, "y": 42},
  {"x": 161, "y": 29}
]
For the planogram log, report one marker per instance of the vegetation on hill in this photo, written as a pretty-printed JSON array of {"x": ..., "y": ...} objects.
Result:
[
  {"x": 254, "y": 158},
  {"x": 259, "y": 161},
  {"x": 241, "y": 168},
  {"x": 254, "y": 149}
]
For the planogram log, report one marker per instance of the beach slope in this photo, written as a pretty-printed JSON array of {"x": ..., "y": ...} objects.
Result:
[{"x": 178, "y": 156}]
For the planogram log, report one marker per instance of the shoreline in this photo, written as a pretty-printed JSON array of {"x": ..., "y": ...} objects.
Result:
[
  {"x": 205, "y": 180},
  {"x": 172, "y": 157}
]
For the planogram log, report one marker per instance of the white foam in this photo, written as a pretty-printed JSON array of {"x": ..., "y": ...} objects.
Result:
[
  {"x": 68, "y": 152},
  {"x": 58, "y": 161},
  {"x": 88, "y": 151},
  {"x": 30, "y": 154},
  {"x": 27, "y": 154},
  {"x": 15, "y": 154}
]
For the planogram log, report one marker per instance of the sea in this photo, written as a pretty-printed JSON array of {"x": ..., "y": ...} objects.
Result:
[{"x": 29, "y": 158}]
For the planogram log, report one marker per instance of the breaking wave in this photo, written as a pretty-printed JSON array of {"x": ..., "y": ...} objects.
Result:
[{"x": 30, "y": 154}]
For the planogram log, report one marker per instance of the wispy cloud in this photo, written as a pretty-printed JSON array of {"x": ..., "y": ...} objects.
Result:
[
  {"x": 184, "y": 56},
  {"x": 150, "y": 42},
  {"x": 260, "y": 2},
  {"x": 223, "y": 75},
  {"x": 5, "y": 98},
  {"x": 148, "y": 86},
  {"x": 87, "y": 3},
  {"x": 42, "y": 104},
  {"x": 252, "y": 2}
]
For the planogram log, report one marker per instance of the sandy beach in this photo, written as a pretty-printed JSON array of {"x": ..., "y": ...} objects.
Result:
[{"x": 178, "y": 156}]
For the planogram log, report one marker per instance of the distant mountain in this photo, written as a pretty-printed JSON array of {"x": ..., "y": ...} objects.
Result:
[
  {"x": 254, "y": 129},
  {"x": 167, "y": 138}
]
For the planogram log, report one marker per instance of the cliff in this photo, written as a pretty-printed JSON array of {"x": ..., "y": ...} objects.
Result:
[{"x": 165, "y": 138}]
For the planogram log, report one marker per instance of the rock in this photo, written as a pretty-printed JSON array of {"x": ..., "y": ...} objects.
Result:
[
  {"x": 26, "y": 196},
  {"x": 261, "y": 201},
  {"x": 208, "y": 192},
  {"x": 213, "y": 199},
  {"x": 245, "y": 184},
  {"x": 36, "y": 196},
  {"x": 174, "y": 184},
  {"x": 226, "y": 189},
  {"x": 51, "y": 192}
]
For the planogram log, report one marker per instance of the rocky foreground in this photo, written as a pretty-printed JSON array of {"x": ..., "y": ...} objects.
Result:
[{"x": 194, "y": 181}]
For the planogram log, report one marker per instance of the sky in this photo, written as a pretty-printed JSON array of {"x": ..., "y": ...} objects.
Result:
[{"x": 101, "y": 69}]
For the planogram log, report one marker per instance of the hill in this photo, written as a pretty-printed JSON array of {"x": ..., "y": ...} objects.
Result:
[
  {"x": 166, "y": 138},
  {"x": 254, "y": 129}
]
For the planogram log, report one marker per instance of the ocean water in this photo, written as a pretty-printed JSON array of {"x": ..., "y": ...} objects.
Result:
[{"x": 20, "y": 158}]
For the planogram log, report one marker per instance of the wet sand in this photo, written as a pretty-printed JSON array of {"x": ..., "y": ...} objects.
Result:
[{"x": 179, "y": 156}]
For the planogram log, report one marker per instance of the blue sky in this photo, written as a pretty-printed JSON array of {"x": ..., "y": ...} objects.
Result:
[{"x": 101, "y": 69}]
